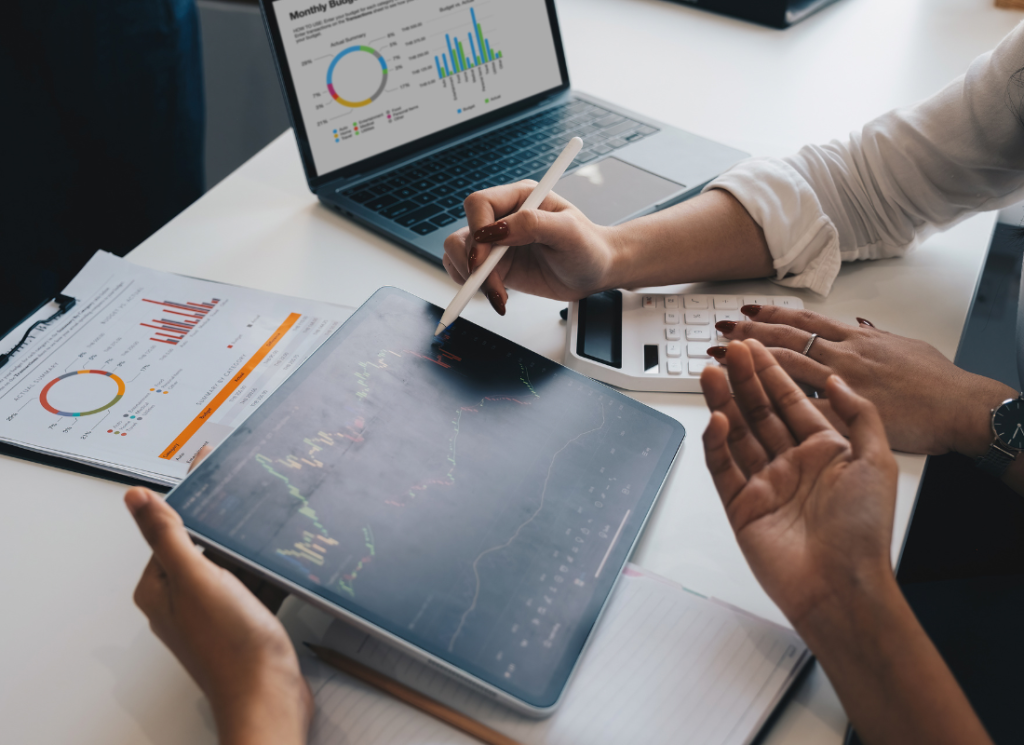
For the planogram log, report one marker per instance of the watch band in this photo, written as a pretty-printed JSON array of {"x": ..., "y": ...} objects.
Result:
[{"x": 996, "y": 460}]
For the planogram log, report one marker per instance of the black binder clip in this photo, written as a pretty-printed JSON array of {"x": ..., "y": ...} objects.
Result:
[{"x": 64, "y": 303}]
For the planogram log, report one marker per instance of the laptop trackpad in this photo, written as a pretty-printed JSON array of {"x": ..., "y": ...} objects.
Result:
[{"x": 610, "y": 190}]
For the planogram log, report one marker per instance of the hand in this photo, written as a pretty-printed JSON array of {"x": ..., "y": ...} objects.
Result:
[
  {"x": 813, "y": 515},
  {"x": 928, "y": 404},
  {"x": 812, "y": 511},
  {"x": 233, "y": 647},
  {"x": 556, "y": 252}
]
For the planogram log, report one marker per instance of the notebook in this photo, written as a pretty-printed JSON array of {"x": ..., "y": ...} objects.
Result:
[{"x": 665, "y": 666}]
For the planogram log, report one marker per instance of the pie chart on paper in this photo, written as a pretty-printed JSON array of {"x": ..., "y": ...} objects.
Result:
[{"x": 82, "y": 393}]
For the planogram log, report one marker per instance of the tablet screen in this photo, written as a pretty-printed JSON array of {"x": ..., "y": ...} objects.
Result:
[{"x": 469, "y": 497}]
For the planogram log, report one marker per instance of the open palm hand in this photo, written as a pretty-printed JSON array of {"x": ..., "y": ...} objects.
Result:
[{"x": 812, "y": 511}]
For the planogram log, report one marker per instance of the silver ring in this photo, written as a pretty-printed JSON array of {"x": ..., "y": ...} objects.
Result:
[{"x": 810, "y": 341}]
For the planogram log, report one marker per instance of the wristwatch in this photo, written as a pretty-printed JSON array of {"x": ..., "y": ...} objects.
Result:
[{"x": 1008, "y": 429}]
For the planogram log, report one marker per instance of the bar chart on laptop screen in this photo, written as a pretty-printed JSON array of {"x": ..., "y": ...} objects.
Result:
[{"x": 371, "y": 76}]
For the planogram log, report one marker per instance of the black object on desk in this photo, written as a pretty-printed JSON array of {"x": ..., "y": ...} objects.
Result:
[
  {"x": 774, "y": 13},
  {"x": 64, "y": 304},
  {"x": 962, "y": 571}
]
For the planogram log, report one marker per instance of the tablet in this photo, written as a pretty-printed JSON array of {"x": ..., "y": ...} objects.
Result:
[{"x": 465, "y": 499}]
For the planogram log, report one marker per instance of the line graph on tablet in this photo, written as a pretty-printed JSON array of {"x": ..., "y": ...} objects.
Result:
[{"x": 468, "y": 492}]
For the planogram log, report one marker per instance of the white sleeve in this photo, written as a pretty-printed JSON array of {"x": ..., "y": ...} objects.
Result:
[{"x": 905, "y": 175}]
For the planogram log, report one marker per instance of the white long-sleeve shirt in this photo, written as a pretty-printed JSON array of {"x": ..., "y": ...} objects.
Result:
[{"x": 905, "y": 175}]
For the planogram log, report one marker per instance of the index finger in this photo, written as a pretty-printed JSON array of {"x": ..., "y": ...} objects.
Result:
[
  {"x": 487, "y": 205},
  {"x": 805, "y": 320},
  {"x": 163, "y": 530},
  {"x": 794, "y": 408}
]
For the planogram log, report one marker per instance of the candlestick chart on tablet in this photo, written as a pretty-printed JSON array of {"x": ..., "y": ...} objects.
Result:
[{"x": 463, "y": 493}]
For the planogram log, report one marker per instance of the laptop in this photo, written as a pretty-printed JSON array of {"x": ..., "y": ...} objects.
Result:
[{"x": 403, "y": 109}]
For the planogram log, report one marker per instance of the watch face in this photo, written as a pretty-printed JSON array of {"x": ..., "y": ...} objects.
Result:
[{"x": 1008, "y": 422}]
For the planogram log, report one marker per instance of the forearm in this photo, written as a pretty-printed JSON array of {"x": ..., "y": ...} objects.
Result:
[
  {"x": 276, "y": 712},
  {"x": 890, "y": 678},
  {"x": 709, "y": 237}
]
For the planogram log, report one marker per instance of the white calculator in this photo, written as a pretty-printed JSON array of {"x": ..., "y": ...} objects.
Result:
[{"x": 648, "y": 342}]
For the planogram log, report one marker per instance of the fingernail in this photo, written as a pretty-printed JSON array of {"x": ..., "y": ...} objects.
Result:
[
  {"x": 865, "y": 322},
  {"x": 750, "y": 310},
  {"x": 725, "y": 326},
  {"x": 472, "y": 256},
  {"x": 491, "y": 233},
  {"x": 136, "y": 499},
  {"x": 839, "y": 381},
  {"x": 717, "y": 352},
  {"x": 496, "y": 302}
]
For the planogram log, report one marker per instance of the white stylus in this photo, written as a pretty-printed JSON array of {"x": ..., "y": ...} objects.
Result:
[{"x": 539, "y": 193}]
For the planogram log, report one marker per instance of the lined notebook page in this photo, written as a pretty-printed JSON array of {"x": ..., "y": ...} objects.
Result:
[{"x": 665, "y": 666}]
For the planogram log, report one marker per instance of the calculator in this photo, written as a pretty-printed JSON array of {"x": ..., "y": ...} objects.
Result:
[{"x": 652, "y": 342}]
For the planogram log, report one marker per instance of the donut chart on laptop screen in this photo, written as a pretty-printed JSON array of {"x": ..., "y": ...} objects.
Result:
[{"x": 369, "y": 82}]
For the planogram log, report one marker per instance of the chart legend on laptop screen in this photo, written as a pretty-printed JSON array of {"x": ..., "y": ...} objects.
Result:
[{"x": 372, "y": 75}]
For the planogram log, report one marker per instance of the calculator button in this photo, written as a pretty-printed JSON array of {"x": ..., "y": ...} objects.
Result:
[
  {"x": 757, "y": 300},
  {"x": 673, "y": 350},
  {"x": 728, "y": 316},
  {"x": 672, "y": 333},
  {"x": 671, "y": 301},
  {"x": 697, "y": 351},
  {"x": 648, "y": 301},
  {"x": 698, "y": 334},
  {"x": 695, "y": 301},
  {"x": 786, "y": 302},
  {"x": 675, "y": 367},
  {"x": 727, "y": 303},
  {"x": 697, "y": 317},
  {"x": 672, "y": 319},
  {"x": 695, "y": 367}
]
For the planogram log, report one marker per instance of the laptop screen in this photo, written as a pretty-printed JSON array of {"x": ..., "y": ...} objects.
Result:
[{"x": 369, "y": 76}]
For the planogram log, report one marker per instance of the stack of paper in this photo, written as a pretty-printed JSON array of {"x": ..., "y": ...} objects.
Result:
[
  {"x": 665, "y": 666},
  {"x": 148, "y": 367}
]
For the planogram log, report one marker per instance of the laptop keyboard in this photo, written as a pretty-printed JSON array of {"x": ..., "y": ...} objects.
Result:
[{"x": 427, "y": 194}]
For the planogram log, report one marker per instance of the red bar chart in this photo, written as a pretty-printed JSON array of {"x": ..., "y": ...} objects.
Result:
[{"x": 177, "y": 319}]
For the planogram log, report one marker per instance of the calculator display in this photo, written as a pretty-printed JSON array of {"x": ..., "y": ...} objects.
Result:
[{"x": 600, "y": 328}]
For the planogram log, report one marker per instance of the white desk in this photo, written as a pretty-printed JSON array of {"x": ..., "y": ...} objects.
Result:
[{"x": 77, "y": 661}]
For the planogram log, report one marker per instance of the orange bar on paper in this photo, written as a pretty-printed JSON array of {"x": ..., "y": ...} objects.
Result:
[{"x": 227, "y": 390}]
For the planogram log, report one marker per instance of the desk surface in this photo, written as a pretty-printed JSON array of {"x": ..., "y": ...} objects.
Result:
[{"x": 77, "y": 661}]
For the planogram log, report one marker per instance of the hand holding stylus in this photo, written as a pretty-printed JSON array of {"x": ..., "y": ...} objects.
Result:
[{"x": 476, "y": 279}]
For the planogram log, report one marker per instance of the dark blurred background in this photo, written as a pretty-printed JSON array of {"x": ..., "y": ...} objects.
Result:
[{"x": 118, "y": 114}]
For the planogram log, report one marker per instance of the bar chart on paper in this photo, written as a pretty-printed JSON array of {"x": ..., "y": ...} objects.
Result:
[
  {"x": 149, "y": 367},
  {"x": 175, "y": 320}
]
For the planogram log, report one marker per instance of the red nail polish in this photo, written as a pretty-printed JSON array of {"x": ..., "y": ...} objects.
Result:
[
  {"x": 472, "y": 257},
  {"x": 750, "y": 310},
  {"x": 496, "y": 302},
  {"x": 865, "y": 322},
  {"x": 725, "y": 326},
  {"x": 717, "y": 352},
  {"x": 491, "y": 233}
]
